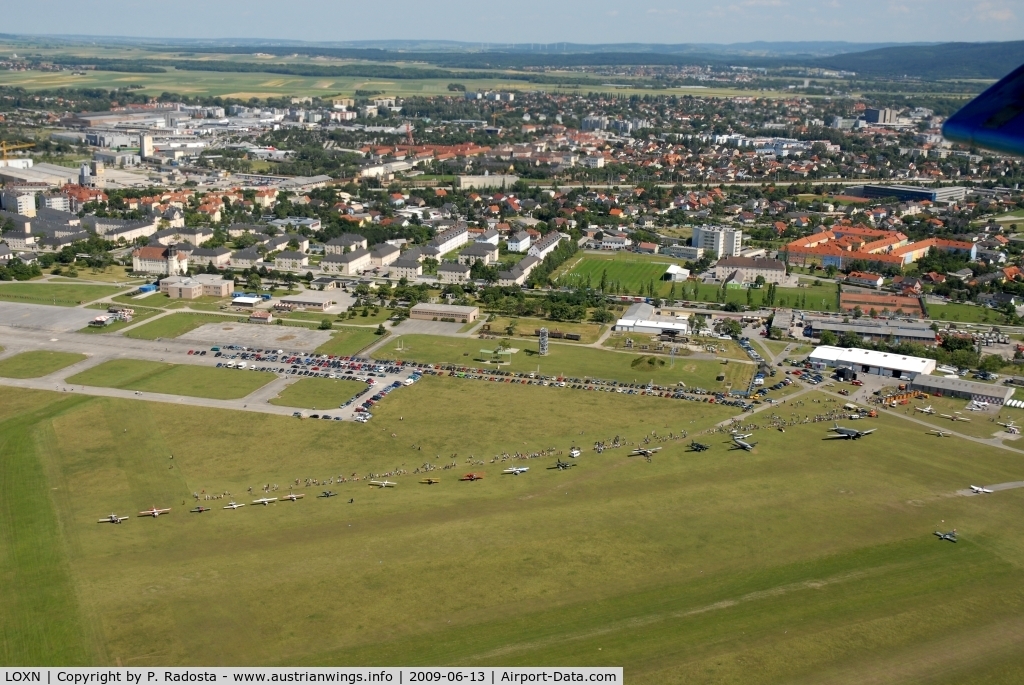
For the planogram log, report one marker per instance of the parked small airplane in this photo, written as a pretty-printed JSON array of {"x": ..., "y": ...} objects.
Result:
[
  {"x": 472, "y": 476},
  {"x": 327, "y": 493},
  {"x": 644, "y": 451},
  {"x": 925, "y": 410},
  {"x": 850, "y": 433},
  {"x": 954, "y": 417},
  {"x": 574, "y": 452},
  {"x": 562, "y": 465},
  {"x": 200, "y": 510},
  {"x": 980, "y": 490},
  {"x": 516, "y": 470},
  {"x": 1009, "y": 424},
  {"x": 738, "y": 444},
  {"x": 154, "y": 512},
  {"x": 742, "y": 436},
  {"x": 430, "y": 481},
  {"x": 264, "y": 500},
  {"x": 114, "y": 518},
  {"x": 940, "y": 434},
  {"x": 291, "y": 496},
  {"x": 382, "y": 483},
  {"x": 233, "y": 505},
  {"x": 698, "y": 446},
  {"x": 951, "y": 535}
]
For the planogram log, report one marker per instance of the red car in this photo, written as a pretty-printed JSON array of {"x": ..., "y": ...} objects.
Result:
[{"x": 857, "y": 383}]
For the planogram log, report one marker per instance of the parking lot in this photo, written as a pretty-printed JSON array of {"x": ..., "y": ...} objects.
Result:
[{"x": 258, "y": 336}]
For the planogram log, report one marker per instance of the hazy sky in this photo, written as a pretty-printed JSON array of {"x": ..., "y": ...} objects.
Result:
[{"x": 525, "y": 21}]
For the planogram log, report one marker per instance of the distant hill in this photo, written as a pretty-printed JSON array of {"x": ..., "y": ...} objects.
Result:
[{"x": 945, "y": 60}]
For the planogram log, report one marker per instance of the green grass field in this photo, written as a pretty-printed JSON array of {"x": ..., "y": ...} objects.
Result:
[
  {"x": 347, "y": 340},
  {"x": 801, "y": 562},
  {"x": 173, "y": 325},
  {"x": 629, "y": 270},
  {"x": 37, "y": 363},
  {"x": 318, "y": 393},
  {"x": 174, "y": 379},
  {"x": 964, "y": 313},
  {"x": 570, "y": 360},
  {"x": 60, "y": 294}
]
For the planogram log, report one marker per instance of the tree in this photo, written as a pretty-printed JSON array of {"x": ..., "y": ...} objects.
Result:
[
  {"x": 380, "y": 330},
  {"x": 828, "y": 338},
  {"x": 858, "y": 312},
  {"x": 991, "y": 363},
  {"x": 602, "y": 315},
  {"x": 253, "y": 282},
  {"x": 326, "y": 325}
]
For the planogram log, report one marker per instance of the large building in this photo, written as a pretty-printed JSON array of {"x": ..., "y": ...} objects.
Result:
[
  {"x": 643, "y": 318},
  {"x": 442, "y": 312},
  {"x": 545, "y": 246},
  {"x": 841, "y": 246},
  {"x": 722, "y": 240},
  {"x": 873, "y": 330},
  {"x": 958, "y": 387},
  {"x": 915, "y": 194},
  {"x": 871, "y": 361},
  {"x": 348, "y": 264},
  {"x": 746, "y": 270},
  {"x": 166, "y": 261},
  {"x": 191, "y": 287}
]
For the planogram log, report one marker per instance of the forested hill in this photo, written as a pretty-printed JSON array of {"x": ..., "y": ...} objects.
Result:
[{"x": 946, "y": 60}]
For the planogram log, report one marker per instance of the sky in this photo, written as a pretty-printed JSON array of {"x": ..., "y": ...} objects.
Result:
[{"x": 527, "y": 21}]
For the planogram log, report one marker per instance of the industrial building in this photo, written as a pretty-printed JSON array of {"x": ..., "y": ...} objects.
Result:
[
  {"x": 915, "y": 194},
  {"x": 873, "y": 330},
  {"x": 442, "y": 312},
  {"x": 958, "y": 387},
  {"x": 643, "y": 318},
  {"x": 871, "y": 361}
]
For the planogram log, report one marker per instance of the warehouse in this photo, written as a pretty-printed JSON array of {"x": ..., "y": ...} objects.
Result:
[
  {"x": 444, "y": 312},
  {"x": 311, "y": 300},
  {"x": 871, "y": 361},
  {"x": 958, "y": 387},
  {"x": 641, "y": 318}
]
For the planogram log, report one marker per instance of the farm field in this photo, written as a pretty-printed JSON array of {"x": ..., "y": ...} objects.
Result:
[
  {"x": 802, "y": 561},
  {"x": 318, "y": 393},
  {"x": 173, "y": 325},
  {"x": 37, "y": 363},
  {"x": 174, "y": 379},
  {"x": 60, "y": 294},
  {"x": 570, "y": 360}
]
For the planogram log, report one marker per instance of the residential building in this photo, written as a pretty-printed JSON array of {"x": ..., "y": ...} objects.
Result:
[
  {"x": 290, "y": 260},
  {"x": 683, "y": 252},
  {"x": 383, "y": 255},
  {"x": 159, "y": 260},
  {"x": 346, "y": 242},
  {"x": 449, "y": 272},
  {"x": 520, "y": 242},
  {"x": 19, "y": 203},
  {"x": 863, "y": 278},
  {"x": 218, "y": 256},
  {"x": 483, "y": 252},
  {"x": 722, "y": 240},
  {"x": 452, "y": 239},
  {"x": 409, "y": 269},
  {"x": 349, "y": 264},
  {"x": 514, "y": 276},
  {"x": 246, "y": 259},
  {"x": 546, "y": 245},
  {"x": 746, "y": 270},
  {"x": 489, "y": 236}
]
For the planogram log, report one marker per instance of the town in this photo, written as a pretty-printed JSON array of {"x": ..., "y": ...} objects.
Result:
[{"x": 531, "y": 356}]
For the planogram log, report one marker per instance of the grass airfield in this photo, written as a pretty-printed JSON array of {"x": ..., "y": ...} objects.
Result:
[{"x": 805, "y": 561}]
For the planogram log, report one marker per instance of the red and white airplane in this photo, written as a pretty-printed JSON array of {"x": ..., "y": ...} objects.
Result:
[
  {"x": 154, "y": 512},
  {"x": 264, "y": 500},
  {"x": 113, "y": 518},
  {"x": 291, "y": 496}
]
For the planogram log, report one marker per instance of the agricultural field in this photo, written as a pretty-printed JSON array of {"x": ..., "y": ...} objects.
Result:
[
  {"x": 568, "y": 359},
  {"x": 173, "y": 325},
  {"x": 174, "y": 379},
  {"x": 318, "y": 393},
  {"x": 802, "y": 561},
  {"x": 60, "y": 294},
  {"x": 347, "y": 340},
  {"x": 37, "y": 363}
]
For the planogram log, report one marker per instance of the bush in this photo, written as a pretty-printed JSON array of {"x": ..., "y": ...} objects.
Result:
[
  {"x": 326, "y": 325},
  {"x": 380, "y": 330}
]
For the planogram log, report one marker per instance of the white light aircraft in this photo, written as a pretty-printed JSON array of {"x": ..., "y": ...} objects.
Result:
[
  {"x": 516, "y": 470},
  {"x": 940, "y": 434},
  {"x": 113, "y": 518},
  {"x": 234, "y": 505},
  {"x": 291, "y": 496},
  {"x": 925, "y": 410},
  {"x": 980, "y": 490},
  {"x": 742, "y": 444},
  {"x": 154, "y": 512},
  {"x": 264, "y": 500},
  {"x": 383, "y": 483}
]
